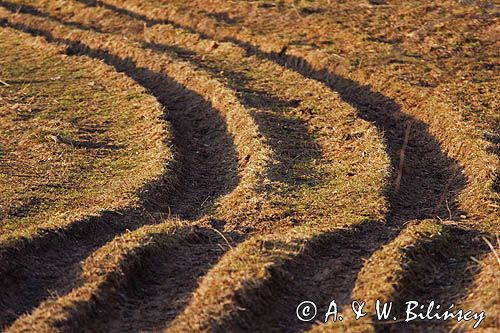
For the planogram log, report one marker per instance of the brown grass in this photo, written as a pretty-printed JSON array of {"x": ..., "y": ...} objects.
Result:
[
  {"x": 112, "y": 271},
  {"x": 484, "y": 294},
  {"x": 459, "y": 132},
  {"x": 253, "y": 152},
  {"x": 75, "y": 141},
  {"x": 450, "y": 126},
  {"x": 313, "y": 173}
]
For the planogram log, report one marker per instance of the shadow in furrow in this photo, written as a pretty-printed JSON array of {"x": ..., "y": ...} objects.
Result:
[
  {"x": 344, "y": 250},
  {"x": 159, "y": 295},
  {"x": 122, "y": 11},
  {"x": 26, "y": 9},
  {"x": 287, "y": 135},
  {"x": 293, "y": 145},
  {"x": 429, "y": 180},
  {"x": 326, "y": 269},
  {"x": 427, "y": 188},
  {"x": 136, "y": 16},
  {"x": 425, "y": 184},
  {"x": 153, "y": 289},
  {"x": 50, "y": 264},
  {"x": 425, "y": 181},
  {"x": 424, "y": 279}
]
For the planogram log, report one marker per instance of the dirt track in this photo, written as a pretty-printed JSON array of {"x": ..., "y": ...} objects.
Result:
[{"x": 287, "y": 180}]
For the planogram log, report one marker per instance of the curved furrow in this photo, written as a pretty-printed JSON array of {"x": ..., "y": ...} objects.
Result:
[
  {"x": 238, "y": 282},
  {"x": 418, "y": 196},
  {"x": 482, "y": 296},
  {"x": 410, "y": 268},
  {"x": 247, "y": 141},
  {"x": 136, "y": 282},
  {"x": 460, "y": 146},
  {"x": 429, "y": 199},
  {"x": 460, "y": 139},
  {"x": 100, "y": 180},
  {"x": 208, "y": 163},
  {"x": 66, "y": 150},
  {"x": 478, "y": 181},
  {"x": 321, "y": 113},
  {"x": 425, "y": 183},
  {"x": 424, "y": 280},
  {"x": 471, "y": 151}
]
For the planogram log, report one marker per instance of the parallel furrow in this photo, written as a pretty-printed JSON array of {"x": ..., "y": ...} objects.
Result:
[
  {"x": 319, "y": 206},
  {"x": 306, "y": 109},
  {"x": 226, "y": 60},
  {"x": 416, "y": 196},
  {"x": 459, "y": 139},
  {"x": 410, "y": 267},
  {"x": 480, "y": 167},
  {"x": 212, "y": 156}
]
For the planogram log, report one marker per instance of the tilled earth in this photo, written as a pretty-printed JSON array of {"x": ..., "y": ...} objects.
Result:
[{"x": 298, "y": 150}]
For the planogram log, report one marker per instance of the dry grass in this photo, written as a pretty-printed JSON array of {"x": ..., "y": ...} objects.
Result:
[
  {"x": 484, "y": 294},
  {"x": 388, "y": 67},
  {"x": 324, "y": 114},
  {"x": 292, "y": 81},
  {"x": 463, "y": 132},
  {"x": 380, "y": 276},
  {"x": 248, "y": 142},
  {"x": 253, "y": 153},
  {"x": 113, "y": 271},
  {"x": 411, "y": 267},
  {"x": 103, "y": 274},
  {"x": 75, "y": 140}
]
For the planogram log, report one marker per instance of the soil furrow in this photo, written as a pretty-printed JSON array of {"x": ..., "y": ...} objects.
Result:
[
  {"x": 410, "y": 267},
  {"x": 159, "y": 291},
  {"x": 440, "y": 264},
  {"x": 424, "y": 279},
  {"x": 136, "y": 282},
  {"x": 459, "y": 138},
  {"x": 290, "y": 153},
  {"x": 386, "y": 114},
  {"x": 421, "y": 189},
  {"x": 285, "y": 149},
  {"x": 324, "y": 270},
  {"x": 320, "y": 250},
  {"x": 429, "y": 181},
  {"x": 208, "y": 168},
  {"x": 46, "y": 269}
]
